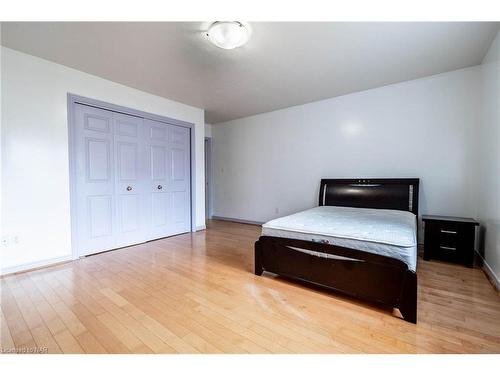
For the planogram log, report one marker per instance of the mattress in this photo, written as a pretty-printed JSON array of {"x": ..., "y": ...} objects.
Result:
[{"x": 390, "y": 233}]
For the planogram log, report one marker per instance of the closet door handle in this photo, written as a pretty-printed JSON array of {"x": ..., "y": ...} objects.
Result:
[
  {"x": 160, "y": 187},
  {"x": 129, "y": 188}
]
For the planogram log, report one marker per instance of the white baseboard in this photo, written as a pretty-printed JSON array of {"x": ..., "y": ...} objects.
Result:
[
  {"x": 33, "y": 265},
  {"x": 237, "y": 220},
  {"x": 490, "y": 274},
  {"x": 200, "y": 227}
]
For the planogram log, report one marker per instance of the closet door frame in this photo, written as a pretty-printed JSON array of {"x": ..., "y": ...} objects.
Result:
[{"x": 72, "y": 101}]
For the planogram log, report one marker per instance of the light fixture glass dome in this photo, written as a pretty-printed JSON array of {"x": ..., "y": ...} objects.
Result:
[{"x": 228, "y": 34}]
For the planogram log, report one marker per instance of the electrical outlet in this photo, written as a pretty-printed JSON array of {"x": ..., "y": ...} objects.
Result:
[{"x": 10, "y": 241}]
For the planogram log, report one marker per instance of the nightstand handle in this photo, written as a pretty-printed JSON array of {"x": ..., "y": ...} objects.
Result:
[
  {"x": 447, "y": 248},
  {"x": 448, "y": 231}
]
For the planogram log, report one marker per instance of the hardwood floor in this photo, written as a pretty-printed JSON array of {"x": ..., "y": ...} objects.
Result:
[{"x": 196, "y": 293}]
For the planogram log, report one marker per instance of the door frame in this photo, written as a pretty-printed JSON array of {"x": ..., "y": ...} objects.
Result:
[
  {"x": 72, "y": 100},
  {"x": 208, "y": 148}
]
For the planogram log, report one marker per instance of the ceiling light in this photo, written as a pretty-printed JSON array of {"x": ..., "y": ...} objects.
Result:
[{"x": 228, "y": 34}]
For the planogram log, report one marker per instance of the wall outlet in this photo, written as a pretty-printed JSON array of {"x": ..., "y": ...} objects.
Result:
[{"x": 10, "y": 241}]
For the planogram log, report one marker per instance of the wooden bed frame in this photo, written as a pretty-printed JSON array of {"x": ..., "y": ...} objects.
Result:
[{"x": 357, "y": 273}]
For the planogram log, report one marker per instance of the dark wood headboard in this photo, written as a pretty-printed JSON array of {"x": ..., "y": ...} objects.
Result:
[{"x": 385, "y": 193}]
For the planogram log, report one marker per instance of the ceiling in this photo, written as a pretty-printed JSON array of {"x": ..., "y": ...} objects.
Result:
[{"x": 283, "y": 64}]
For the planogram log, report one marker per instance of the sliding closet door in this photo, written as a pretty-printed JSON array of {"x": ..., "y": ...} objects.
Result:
[
  {"x": 168, "y": 149},
  {"x": 94, "y": 172},
  {"x": 129, "y": 180}
]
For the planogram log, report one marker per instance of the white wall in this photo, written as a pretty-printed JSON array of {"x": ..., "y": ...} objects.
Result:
[
  {"x": 208, "y": 130},
  {"x": 1, "y": 143},
  {"x": 270, "y": 164},
  {"x": 489, "y": 158},
  {"x": 35, "y": 189}
]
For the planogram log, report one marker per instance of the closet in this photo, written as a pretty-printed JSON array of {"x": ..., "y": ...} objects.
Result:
[{"x": 132, "y": 179}]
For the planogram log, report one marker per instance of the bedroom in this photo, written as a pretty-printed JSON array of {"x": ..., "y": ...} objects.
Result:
[{"x": 250, "y": 187}]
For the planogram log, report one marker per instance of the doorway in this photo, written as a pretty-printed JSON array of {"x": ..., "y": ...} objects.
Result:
[{"x": 208, "y": 178}]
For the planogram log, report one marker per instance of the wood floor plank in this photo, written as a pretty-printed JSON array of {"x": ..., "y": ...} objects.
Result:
[
  {"x": 68, "y": 343},
  {"x": 6, "y": 340},
  {"x": 44, "y": 339},
  {"x": 90, "y": 344},
  {"x": 103, "y": 335},
  {"x": 69, "y": 318},
  {"x": 53, "y": 322},
  {"x": 18, "y": 328},
  {"x": 196, "y": 293},
  {"x": 142, "y": 332},
  {"x": 121, "y": 332},
  {"x": 29, "y": 297}
]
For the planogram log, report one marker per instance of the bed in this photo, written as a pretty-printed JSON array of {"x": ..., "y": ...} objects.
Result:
[{"x": 361, "y": 240}]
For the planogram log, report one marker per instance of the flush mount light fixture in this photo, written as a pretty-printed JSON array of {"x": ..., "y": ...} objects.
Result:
[{"x": 228, "y": 34}]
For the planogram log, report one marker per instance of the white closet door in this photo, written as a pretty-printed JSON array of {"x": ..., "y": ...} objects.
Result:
[
  {"x": 129, "y": 180},
  {"x": 132, "y": 179},
  {"x": 168, "y": 149},
  {"x": 180, "y": 178},
  {"x": 94, "y": 164}
]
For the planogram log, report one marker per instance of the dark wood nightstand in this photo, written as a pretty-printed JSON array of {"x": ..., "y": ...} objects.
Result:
[{"x": 449, "y": 238}]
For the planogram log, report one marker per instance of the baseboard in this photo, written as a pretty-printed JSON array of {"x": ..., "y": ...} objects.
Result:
[
  {"x": 200, "y": 227},
  {"x": 34, "y": 265},
  {"x": 237, "y": 220},
  {"x": 490, "y": 274}
]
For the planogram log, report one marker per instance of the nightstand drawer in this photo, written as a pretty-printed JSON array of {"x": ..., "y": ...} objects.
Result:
[
  {"x": 448, "y": 253},
  {"x": 447, "y": 227},
  {"x": 448, "y": 238}
]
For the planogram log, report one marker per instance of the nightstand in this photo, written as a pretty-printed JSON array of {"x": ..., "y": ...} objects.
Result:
[{"x": 449, "y": 238}]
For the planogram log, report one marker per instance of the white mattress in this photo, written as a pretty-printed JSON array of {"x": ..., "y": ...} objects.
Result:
[{"x": 390, "y": 233}]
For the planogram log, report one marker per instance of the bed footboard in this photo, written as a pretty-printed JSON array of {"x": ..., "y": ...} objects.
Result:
[{"x": 357, "y": 273}]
